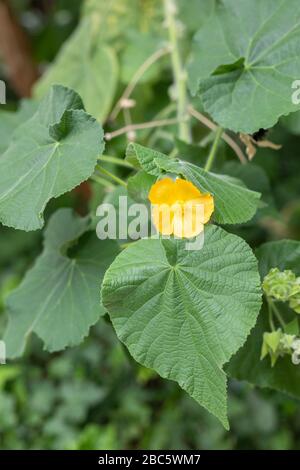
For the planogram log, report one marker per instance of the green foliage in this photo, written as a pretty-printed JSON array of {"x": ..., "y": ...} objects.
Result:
[
  {"x": 10, "y": 120},
  {"x": 245, "y": 61},
  {"x": 284, "y": 376},
  {"x": 86, "y": 65},
  {"x": 190, "y": 316},
  {"x": 281, "y": 285},
  {"x": 173, "y": 309},
  {"x": 50, "y": 154},
  {"x": 234, "y": 203},
  {"x": 117, "y": 17},
  {"x": 62, "y": 288},
  {"x": 140, "y": 47}
]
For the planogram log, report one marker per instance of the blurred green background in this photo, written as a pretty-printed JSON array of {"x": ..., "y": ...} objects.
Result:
[{"x": 94, "y": 396}]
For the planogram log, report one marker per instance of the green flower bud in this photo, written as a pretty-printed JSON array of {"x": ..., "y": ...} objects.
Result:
[
  {"x": 279, "y": 285},
  {"x": 295, "y": 297},
  {"x": 296, "y": 351},
  {"x": 295, "y": 303}
]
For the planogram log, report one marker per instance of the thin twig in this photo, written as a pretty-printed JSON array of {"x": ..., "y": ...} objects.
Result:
[
  {"x": 212, "y": 126},
  {"x": 141, "y": 126},
  {"x": 136, "y": 78}
]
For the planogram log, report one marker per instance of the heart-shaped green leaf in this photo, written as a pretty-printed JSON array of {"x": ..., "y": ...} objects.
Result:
[
  {"x": 59, "y": 297},
  {"x": 245, "y": 61},
  {"x": 234, "y": 203},
  {"x": 50, "y": 154},
  {"x": 184, "y": 313}
]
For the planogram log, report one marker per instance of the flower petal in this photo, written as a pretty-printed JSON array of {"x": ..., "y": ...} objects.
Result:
[
  {"x": 209, "y": 206},
  {"x": 162, "y": 218},
  {"x": 179, "y": 207},
  {"x": 185, "y": 190},
  {"x": 162, "y": 192},
  {"x": 186, "y": 221}
]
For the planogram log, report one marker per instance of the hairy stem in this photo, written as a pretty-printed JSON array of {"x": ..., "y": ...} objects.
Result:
[{"x": 178, "y": 71}]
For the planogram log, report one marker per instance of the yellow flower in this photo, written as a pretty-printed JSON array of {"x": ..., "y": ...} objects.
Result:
[{"x": 179, "y": 208}]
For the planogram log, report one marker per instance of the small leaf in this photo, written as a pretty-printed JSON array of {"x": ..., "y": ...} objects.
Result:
[
  {"x": 50, "y": 154},
  {"x": 184, "y": 313},
  {"x": 59, "y": 297},
  {"x": 234, "y": 203},
  {"x": 245, "y": 61}
]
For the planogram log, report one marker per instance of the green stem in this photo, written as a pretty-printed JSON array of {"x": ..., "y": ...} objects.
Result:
[
  {"x": 115, "y": 161},
  {"x": 277, "y": 314},
  {"x": 111, "y": 175},
  {"x": 178, "y": 71},
  {"x": 214, "y": 148},
  {"x": 102, "y": 181},
  {"x": 271, "y": 321}
]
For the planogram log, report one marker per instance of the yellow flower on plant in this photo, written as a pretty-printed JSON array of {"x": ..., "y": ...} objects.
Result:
[{"x": 179, "y": 208}]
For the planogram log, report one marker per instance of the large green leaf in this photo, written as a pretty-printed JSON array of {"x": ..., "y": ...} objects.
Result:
[
  {"x": 11, "y": 120},
  {"x": 59, "y": 297},
  {"x": 89, "y": 67},
  {"x": 234, "y": 203},
  {"x": 194, "y": 12},
  {"x": 246, "y": 364},
  {"x": 50, "y": 154},
  {"x": 245, "y": 60},
  {"x": 184, "y": 313}
]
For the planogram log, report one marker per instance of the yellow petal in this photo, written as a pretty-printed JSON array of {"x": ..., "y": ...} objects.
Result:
[
  {"x": 207, "y": 202},
  {"x": 185, "y": 190},
  {"x": 179, "y": 207},
  {"x": 187, "y": 221},
  {"x": 162, "y": 218},
  {"x": 162, "y": 192}
]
